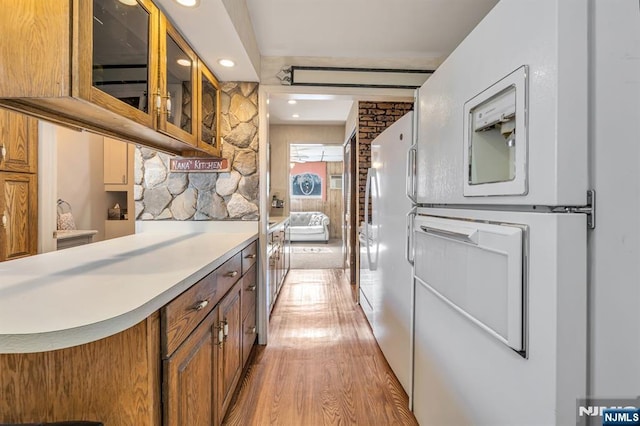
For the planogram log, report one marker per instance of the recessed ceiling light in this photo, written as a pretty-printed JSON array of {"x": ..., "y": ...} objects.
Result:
[
  {"x": 296, "y": 116},
  {"x": 292, "y": 102},
  {"x": 129, "y": 2},
  {"x": 188, "y": 3},
  {"x": 184, "y": 62},
  {"x": 226, "y": 63}
]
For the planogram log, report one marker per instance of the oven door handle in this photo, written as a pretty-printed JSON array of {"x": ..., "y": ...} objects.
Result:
[{"x": 466, "y": 236}]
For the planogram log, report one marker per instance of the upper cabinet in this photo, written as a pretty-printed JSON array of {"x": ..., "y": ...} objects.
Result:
[
  {"x": 115, "y": 162},
  {"x": 18, "y": 142},
  {"x": 122, "y": 43},
  {"x": 118, "y": 68},
  {"x": 208, "y": 111},
  {"x": 178, "y": 78}
]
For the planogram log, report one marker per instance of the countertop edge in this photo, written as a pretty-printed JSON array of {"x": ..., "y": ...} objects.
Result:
[{"x": 61, "y": 339}]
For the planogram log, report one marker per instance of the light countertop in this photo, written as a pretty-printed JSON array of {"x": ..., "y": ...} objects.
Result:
[
  {"x": 76, "y": 233},
  {"x": 82, "y": 294},
  {"x": 276, "y": 221}
]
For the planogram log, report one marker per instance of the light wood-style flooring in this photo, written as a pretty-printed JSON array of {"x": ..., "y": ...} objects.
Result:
[{"x": 322, "y": 365}]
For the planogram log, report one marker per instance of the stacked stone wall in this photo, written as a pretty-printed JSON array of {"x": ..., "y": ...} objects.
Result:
[{"x": 163, "y": 195}]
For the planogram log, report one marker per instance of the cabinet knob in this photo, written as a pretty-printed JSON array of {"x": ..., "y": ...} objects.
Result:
[
  {"x": 4, "y": 219},
  {"x": 200, "y": 306},
  {"x": 168, "y": 111},
  {"x": 251, "y": 288},
  {"x": 250, "y": 256},
  {"x": 251, "y": 330},
  {"x": 220, "y": 338},
  {"x": 231, "y": 274},
  {"x": 3, "y": 151},
  {"x": 158, "y": 102},
  {"x": 223, "y": 329}
]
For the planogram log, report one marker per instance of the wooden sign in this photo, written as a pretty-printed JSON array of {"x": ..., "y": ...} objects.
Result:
[{"x": 199, "y": 165}]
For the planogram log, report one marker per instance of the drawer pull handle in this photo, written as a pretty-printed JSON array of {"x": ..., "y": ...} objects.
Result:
[
  {"x": 3, "y": 151},
  {"x": 250, "y": 256},
  {"x": 251, "y": 288},
  {"x": 231, "y": 274},
  {"x": 200, "y": 306},
  {"x": 225, "y": 328}
]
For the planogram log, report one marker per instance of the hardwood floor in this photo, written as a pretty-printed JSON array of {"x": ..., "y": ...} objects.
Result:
[{"x": 322, "y": 365}]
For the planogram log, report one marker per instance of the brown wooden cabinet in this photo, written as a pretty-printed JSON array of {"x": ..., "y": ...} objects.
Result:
[
  {"x": 18, "y": 185},
  {"x": 189, "y": 385},
  {"x": 104, "y": 65},
  {"x": 278, "y": 260},
  {"x": 18, "y": 142},
  {"x": 18, "y": 215},
  {"x": 231, "y": 356},
  {"x": 204, "y": 344},
  {"x": 179, "y": 367},
  {"x": 249, "y": 325},
  {"x": 178, "y": 85},
  {"x": 208, "y": 111}
]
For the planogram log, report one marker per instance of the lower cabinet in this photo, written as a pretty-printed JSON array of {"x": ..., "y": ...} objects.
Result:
[
  {"x": 279, "y": 260},
  {"x": 249, "y": 325},
  {"x": 188, "y": 389},
  {"x": 205, "y": 344},
  {"x": 18, "y": 215},
  {"x": 231, "y": 348},
  {"x": 178, "y": 367}
]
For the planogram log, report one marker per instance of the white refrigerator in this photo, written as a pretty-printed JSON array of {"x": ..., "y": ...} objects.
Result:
[
  {"x": 385, "y": 277},
  {"x": 499, "y": 239}
]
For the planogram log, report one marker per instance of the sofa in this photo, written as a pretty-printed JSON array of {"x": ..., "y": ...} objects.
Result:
[{"x": 309, "y": 226}]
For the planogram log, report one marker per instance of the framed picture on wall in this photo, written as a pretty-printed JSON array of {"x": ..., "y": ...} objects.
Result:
[{"x": 308, "y": 180}]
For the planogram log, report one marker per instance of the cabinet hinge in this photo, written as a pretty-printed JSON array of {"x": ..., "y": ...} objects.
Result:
[{"x": 589, "y": 209}]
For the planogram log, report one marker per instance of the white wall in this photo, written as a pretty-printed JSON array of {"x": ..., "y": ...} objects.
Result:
[
  {"x": 80, "y": 178},
  {"x": 280, "y": 137},
  {"x": 352, "y": 120},
  {"x": 614, "y": 251}
]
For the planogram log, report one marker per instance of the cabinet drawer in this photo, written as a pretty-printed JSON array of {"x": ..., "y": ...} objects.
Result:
[
  {"x": 249, "y": 289},
  {"x": 186, "y": 311},
  {"x": 229, "y": 273},
  {"x": 249, "y": 334},
  {"x": 249, "y": 256}
]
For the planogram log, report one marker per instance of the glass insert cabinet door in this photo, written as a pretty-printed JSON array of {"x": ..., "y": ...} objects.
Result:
[
  {"x": 178, "y": 77},
  {"x": 209, "y": 106},
  {"x": 123, "y": 69}
]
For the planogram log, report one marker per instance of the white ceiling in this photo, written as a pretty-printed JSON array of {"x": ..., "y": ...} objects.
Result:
[
  {"x": 341, "y": 32},
  {"x": 212, "y": 34},
  {"x": 304, "y": 153},
  {"x": 309, "y": 111},
  {"x": 364, "y": 28}
]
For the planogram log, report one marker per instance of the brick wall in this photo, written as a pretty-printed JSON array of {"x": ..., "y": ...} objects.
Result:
[{"x": 373, "y": 119}]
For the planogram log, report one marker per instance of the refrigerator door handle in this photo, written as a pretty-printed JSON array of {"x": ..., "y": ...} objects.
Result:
[
  {"x": 411, "y": 173},
  {"x": 467, "y": 236},
  {"x": 367, "y": 192},
  {"x": 408, "y": 249},
  {"x": 371, "y": 174}
]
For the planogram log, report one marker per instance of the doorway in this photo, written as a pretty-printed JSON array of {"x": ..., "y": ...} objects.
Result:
[{"x": 315, "y": 193}]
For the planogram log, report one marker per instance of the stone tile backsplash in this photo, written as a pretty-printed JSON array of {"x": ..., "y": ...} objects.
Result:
[{"x": 163, "y": 195}]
